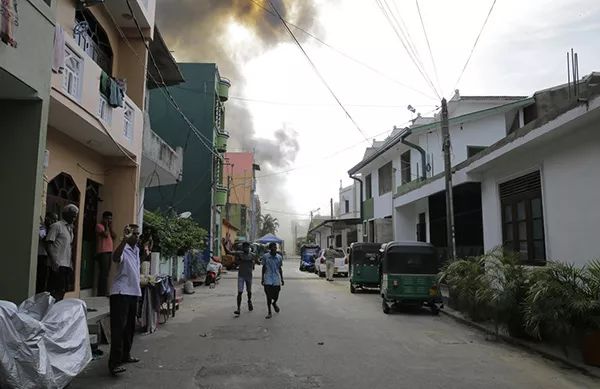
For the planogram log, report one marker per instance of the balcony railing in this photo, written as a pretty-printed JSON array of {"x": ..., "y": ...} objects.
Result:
[
  {"x": 92, "y": 49},
  {"x": 78, "y": 90},
  {"x": 158, "y": 151}
]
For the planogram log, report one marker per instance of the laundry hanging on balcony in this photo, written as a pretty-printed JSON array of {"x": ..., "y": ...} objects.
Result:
[
  {"x": 112, "y": 90},
  {"x": 58, "y": 60},
  {"x": 9, "y": 21}
]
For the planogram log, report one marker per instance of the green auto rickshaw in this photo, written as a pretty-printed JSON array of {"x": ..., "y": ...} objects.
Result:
[
  {"x": 409, "y": 276},
  {"x": 363, "y": 259}
]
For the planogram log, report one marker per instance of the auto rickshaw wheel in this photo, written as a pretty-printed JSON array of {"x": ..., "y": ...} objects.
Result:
[
  {"x": 352, "y": 288},
  {"x": 385, "y": 306},
  {"x": 435, "y": 310}
]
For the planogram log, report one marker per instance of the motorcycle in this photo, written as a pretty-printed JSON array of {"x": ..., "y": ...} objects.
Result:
[{"x": 213, "y": 273}]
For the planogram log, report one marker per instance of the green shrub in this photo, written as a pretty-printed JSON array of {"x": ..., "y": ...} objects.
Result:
[
  {"x": 502, "y": 289},
  {"x": 463, "y": 277},
  {"x": 173, "y": 235},
  {"x": 560, "y": 301}
]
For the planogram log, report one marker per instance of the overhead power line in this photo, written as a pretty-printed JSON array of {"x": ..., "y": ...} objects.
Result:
[
  {"x": 344, "y": 54},
  {"x": 331, "y": 155},
  {"x": 307, "y": 215},
  {"x": 207, "y": 143},
  {"x": 475, "y": 44},
  {"x": 435, "y": 71},
  {"x": 316, "y": 70},
  {"x": 301, "y": 104},
  {"x": 403, "y": 36}
]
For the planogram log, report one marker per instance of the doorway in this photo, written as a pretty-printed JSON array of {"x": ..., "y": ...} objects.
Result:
[
  {"x": 88, "y": 244},
  {"x": 61, "y": 192}
]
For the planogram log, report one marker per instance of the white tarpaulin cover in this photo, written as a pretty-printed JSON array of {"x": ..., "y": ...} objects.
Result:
[{"x": 42, "y": 344}]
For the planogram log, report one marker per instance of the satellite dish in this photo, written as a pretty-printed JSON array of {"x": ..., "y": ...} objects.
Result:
[{"x": 185, "y": 215}]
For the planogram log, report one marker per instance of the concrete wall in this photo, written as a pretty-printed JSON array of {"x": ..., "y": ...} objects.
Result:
[
  {"x": 24, "y": 100},
  {"x": 21, "y": 156},
  {"x": 406, "y": 219},
  {"x": 382, "y": 205},
  {"x": 352, "y": 194},
  {"x": 483, "y": 132},
  {"x": 570, "y": 187},
  {"x": 30, "y": 62},
  {"x": 118, "y": 190}
]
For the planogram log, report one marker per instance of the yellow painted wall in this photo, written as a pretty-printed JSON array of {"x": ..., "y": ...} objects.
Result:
[{"x": 119, "y": 184}]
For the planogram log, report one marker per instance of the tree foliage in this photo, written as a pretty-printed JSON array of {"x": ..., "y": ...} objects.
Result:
[
  {"x": 268, "y": 224},
  {"x": 173, "y": 235}
]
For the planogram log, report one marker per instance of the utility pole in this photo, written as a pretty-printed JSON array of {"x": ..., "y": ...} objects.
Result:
[
  {"x": 331, "y": 206},
  {"x": 448, "y": 172},
  {"x": 228, "y": 198}
]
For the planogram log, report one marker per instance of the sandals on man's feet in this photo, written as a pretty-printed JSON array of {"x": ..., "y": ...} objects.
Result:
[{"x": 115, "y": 371}]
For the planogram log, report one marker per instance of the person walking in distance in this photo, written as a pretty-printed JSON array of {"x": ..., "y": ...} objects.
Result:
[
  {"x": 104, "y": 249},
  {"x": 330, "y": 254},
  {"x": 245, "y": 262},
  {"x": 272, "y": 277},
  {"x": 124, "y": 295},
  {"x": 59, "y": 245}
]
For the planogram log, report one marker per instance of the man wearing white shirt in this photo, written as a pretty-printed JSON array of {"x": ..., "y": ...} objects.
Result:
[{"x": 124, "y": 295}]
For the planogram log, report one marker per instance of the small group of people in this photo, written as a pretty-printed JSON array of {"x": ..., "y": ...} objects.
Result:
[
  {"x": 55, "y": 255},
  {"x": 55, "y": 252},
  {"x": 271, "y": 278}
]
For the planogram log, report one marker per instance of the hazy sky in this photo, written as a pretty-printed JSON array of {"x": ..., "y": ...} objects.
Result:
[{"x": 522, "y": 49}]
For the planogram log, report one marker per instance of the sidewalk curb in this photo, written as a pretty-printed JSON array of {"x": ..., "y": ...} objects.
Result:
[{"x": 523, "y": 345}]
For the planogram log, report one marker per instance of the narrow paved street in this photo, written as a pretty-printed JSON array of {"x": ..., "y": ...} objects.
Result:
[{"x": 323, "y": 337}]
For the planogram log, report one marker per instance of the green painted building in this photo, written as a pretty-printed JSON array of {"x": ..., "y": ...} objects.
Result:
[{"x": 201, "y": 97}]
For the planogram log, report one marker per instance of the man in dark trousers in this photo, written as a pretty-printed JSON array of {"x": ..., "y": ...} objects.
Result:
[
  {"x": 245, "y": 262},
  {"x": 59, "y": 243},
  {"x": 124, "y": 295},
  {"x": 104, "y": 249},
  {"x": 272, "y": 278}
]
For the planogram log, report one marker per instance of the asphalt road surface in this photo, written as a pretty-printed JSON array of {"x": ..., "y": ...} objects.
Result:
[{"x": 324, "y": 337}]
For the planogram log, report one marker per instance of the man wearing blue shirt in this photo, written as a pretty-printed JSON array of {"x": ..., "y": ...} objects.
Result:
[{"x": 272, "y": 277}]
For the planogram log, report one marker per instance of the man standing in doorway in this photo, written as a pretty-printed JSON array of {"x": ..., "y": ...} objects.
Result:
[
  {"x": 59, "y": 242},
  {"x": 43, "y": 265},
  {"x": 104, "y": 249},
  {"x": 330, "y": 254},
  {"x": 272, "y": 277},
  {"x": 124, "y": 295},
  {"x": 245, "y": 262}
]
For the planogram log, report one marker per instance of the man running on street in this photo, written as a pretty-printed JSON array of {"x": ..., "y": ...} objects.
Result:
[
  {"x": 245, "y": 262},
  {"x": 272, "y": 277}
]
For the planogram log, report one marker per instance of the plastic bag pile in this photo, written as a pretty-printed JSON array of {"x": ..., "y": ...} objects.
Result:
[{"x": 42, "y": 344}]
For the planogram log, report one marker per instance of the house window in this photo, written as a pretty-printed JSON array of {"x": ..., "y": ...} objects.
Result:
[
  {"x": 346, "y": 206},
  {"x": 72, "y": 73},
  {"x": 128, "y": 119},
  {"x": 522, "y": 218},
  {"x": 104, "y": 110},
  {"x": 385, "y": 179},
  {"x": 472, "y": 150},
  {"x": 405, "y": 167},
  {"x": 368, "y": 189}
]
